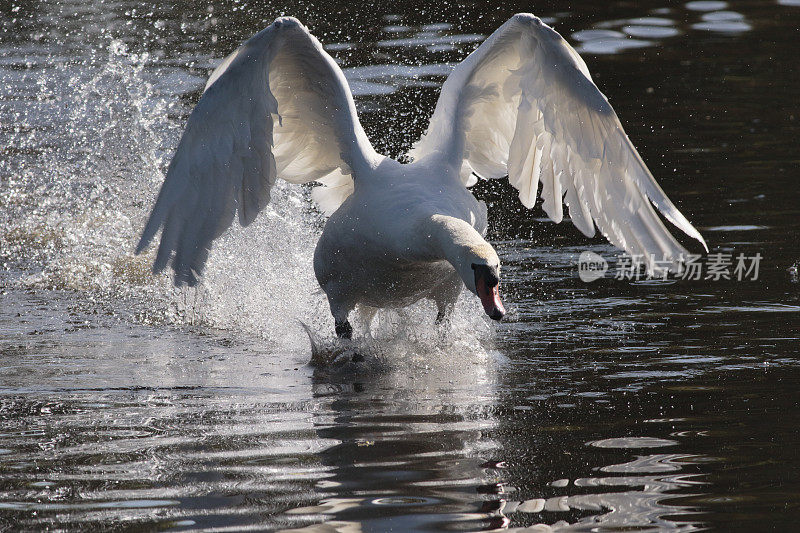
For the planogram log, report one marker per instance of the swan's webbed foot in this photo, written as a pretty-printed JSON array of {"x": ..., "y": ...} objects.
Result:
[{"x": 344, "y": 330}]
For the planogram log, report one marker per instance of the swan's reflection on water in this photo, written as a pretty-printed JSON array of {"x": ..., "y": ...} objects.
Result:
[
  {"x": 184, "y": 431},
  {"x": 417, "y": 453},
  {"x": 414, "y": 447},
  {"x": 197, "y": 432}
]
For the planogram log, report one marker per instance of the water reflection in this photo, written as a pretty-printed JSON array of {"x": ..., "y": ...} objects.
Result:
[
  {"x": 706, "y": 5},
  {"x": 404, "y": 461},
  {"x": 386, "y": 79},
  {"x": 650, "y": 31},
  {"x": 177, "y": 438},
  {"x": 723, "y": 21},
  {"x": 615, "y": 36},
  {"x": 198, "y": 444},
  {"x": 644, "y": 505}
]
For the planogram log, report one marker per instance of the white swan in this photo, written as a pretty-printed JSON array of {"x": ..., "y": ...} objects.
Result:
[{"x": 523, "y": 104}]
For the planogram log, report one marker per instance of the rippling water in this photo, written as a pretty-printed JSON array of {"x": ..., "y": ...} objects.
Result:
[{"x": 618, "y": 405}]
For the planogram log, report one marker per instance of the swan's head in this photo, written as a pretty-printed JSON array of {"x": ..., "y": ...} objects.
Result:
[
  {"x": 473, "y": 258},
  {"x": 487, "y": 288},
  {"x": 480, "y": 272}
]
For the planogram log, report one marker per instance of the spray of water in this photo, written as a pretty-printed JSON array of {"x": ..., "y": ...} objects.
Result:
[{"x": 90, "y": 150}]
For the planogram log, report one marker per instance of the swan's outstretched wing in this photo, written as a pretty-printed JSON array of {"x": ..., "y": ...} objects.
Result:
[
  {"x": 278, "y": 107},
  {"x": 524, "y": 105}
]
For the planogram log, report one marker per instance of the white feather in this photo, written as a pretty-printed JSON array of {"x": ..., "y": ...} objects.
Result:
[
  {"x": 278, "y": 107},
  {"x": 524, "y": 105}
]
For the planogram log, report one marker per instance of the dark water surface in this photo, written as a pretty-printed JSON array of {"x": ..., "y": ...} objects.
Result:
[{"x": 618, "y": 405}]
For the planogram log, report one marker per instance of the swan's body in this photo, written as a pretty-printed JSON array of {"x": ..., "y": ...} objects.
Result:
[
  {"x": 380, "y": 248},
  {"x": 523, "y": 105}
]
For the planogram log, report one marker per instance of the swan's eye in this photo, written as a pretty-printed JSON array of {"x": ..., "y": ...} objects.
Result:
[{"x": 486, "y": 273}]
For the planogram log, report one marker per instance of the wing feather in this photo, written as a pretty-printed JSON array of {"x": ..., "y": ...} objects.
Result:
[
  {"x": 278, "y": 107},
  {"x": 524, "y": 105}
]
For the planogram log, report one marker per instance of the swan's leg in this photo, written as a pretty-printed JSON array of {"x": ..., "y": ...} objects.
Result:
[
  {"x": 446, "y": 296},
  {"x": 443, "y": 319},
  {"x": 340, "y": 313},
  {"x": 445, "y": 310},
  {"x": 344, "y": 330}
]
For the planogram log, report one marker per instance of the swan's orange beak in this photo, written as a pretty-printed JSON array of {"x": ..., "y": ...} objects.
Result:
[{"x": 490, "y": 298}]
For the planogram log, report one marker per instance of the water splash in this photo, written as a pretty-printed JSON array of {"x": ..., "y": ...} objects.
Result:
[
  {"x": 90, "y": 150},
  {"x": 87, "y": 154}
]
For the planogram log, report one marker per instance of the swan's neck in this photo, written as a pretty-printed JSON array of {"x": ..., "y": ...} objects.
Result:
[
  {"x": 456, "y": 239},
  {"x": 461, "y": 245}
]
